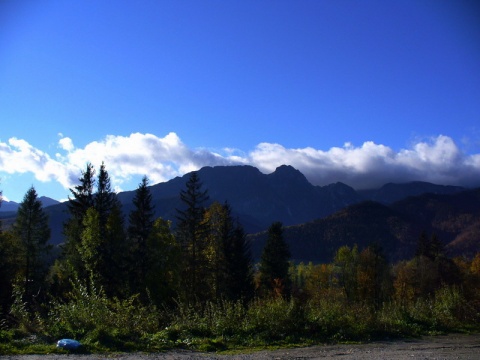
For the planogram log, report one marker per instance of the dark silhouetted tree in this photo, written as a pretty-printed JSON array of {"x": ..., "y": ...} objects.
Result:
[
  {"x": 104, "y": 199},
  {"x": 82, "y": 200},
  {"x": 141, "y": 220},
  {"x": 31, "y": 228},
  {"x": 191, "y": 234},
  {"x": 274, "y": 262},
  {"x": 10, "y": 266},
  {"x": 116, "y": 253},
  {"x": 239, "y": 266}
]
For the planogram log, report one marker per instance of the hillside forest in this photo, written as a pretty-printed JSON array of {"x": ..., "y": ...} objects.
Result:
[{"x": 136, "y": 282}]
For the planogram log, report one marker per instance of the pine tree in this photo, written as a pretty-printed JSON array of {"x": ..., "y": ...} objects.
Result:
[
  {"x": 191, "y": 234},
  {"x": 141, "y": 220},
  {"x": 83, "y": 199},
  {"x": 32, "y": 229},
  {"x": 11, "y": 252},
  {"x": 274, "y": 262},
  {"x": 90, "y": 248},
  {"x": 104, "y": 198},
  {"x": 116, "y": 253},
  {"x": 239, "y": 267},
  {"x": 423, "y": 246}
]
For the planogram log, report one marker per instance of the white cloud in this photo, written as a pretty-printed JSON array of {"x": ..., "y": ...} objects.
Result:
[
  {"x": 437, "y": 160},
  {"x": 66, "y": 144},
  {"x": 18, "y": 156}
]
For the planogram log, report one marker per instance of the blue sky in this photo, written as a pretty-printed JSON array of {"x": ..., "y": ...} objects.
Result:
[{"x": 363, "y": 92}]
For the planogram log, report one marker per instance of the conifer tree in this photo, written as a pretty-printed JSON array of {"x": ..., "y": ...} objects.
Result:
[
  {"x": 191, "y": 234},
  {"x": 32, "y": 229},
  {"x": 423, "y": 245},
  {"x": 274, "y": 262},
  {"x": 141, "y": 220},
  {"x": 90, "y": 248},
  {"x": 239, "y": 267},
  {"x": 10, "y": 251},
  {"x": 112, "y": 237},
  {"x": 116, "y": 253},
  {"x": 83, "y": 199},
  {"x": 104, "y": 198}
]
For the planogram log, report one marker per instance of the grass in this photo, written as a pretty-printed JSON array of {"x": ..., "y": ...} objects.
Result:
[{"x": 105, "y": 325}]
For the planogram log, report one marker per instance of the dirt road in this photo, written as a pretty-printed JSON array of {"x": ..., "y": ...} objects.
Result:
[{"x": 437, "y": 347}]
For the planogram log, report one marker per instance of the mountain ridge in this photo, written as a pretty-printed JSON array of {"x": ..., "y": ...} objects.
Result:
[
  {"x": 257, "y": 199},
  {"x": 453, "y": 218}
]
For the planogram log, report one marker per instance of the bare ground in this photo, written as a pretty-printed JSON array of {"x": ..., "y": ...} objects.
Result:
[{"x": 436, "y": 347}]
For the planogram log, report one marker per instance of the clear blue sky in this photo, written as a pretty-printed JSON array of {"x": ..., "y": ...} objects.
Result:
[{"x": 363, "y": 92}]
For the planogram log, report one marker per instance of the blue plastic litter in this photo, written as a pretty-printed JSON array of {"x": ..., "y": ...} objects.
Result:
[{"x": 68, "y": 344}]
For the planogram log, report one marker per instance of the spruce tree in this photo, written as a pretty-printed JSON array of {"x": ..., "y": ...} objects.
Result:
[
  {"x": 32, "y": 229},
  {"x": 239, "y": 267},
  {"x": 112, "y": 245},
  {"x": 90, "y": 248},
  {"x": 116, "y": 253},
  {"x": 10, "y": 264},
  {"x": 104, "y": 198},
  {"x": 191, "y": 234},
  {"x": 274, "y": 263},
  {"x": 83, "y": 199},
  {"x": 141, "y": 220}
]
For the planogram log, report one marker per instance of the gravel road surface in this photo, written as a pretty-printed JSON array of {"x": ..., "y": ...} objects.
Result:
[{"x": 436, "y": 347}]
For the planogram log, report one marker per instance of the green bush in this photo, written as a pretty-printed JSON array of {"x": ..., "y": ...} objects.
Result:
[
  {"x": 332, "y": 317},
  {"x": 275, "y": 319},
  {"x": 90, "y": 316},
  {"x": 451, "y": 309}
]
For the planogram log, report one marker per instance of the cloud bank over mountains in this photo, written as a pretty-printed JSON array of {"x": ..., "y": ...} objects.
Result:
[{"x": 438, "y": 160}]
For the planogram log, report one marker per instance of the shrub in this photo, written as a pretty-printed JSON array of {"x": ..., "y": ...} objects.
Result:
[
  {"x": 275, "y": 319},
  {"x": 451, "y": 309},
  {"x": 91, "y": 316}
]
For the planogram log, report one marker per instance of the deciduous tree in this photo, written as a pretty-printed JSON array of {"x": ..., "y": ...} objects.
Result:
[
  {"x": 346, "y": 266},
  {"x": 164, "y": 260}
]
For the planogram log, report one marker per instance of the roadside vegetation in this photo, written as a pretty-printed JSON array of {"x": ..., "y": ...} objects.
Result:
[{"x": 140, "y": 284}]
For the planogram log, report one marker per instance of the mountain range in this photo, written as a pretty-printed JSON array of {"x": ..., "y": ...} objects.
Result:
[
  {"x": 331, "y": 214},
  {"x": 396, "y": 227},
  {"x": 12, "y": 206}
]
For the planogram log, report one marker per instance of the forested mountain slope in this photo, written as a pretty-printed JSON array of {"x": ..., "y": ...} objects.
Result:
[
  {"x": 257, "y": 199},
  {"x": 454, "y": 218}
]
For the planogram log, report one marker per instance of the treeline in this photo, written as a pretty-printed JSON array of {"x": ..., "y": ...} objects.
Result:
[
  {"x": 137, "y": 283},
  {"x": 206, "y": 257}
]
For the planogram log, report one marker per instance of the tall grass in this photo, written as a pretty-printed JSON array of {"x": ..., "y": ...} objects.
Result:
[
  {"x": 111, "y": 324},
  {"x": 89, "y": 315}
]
